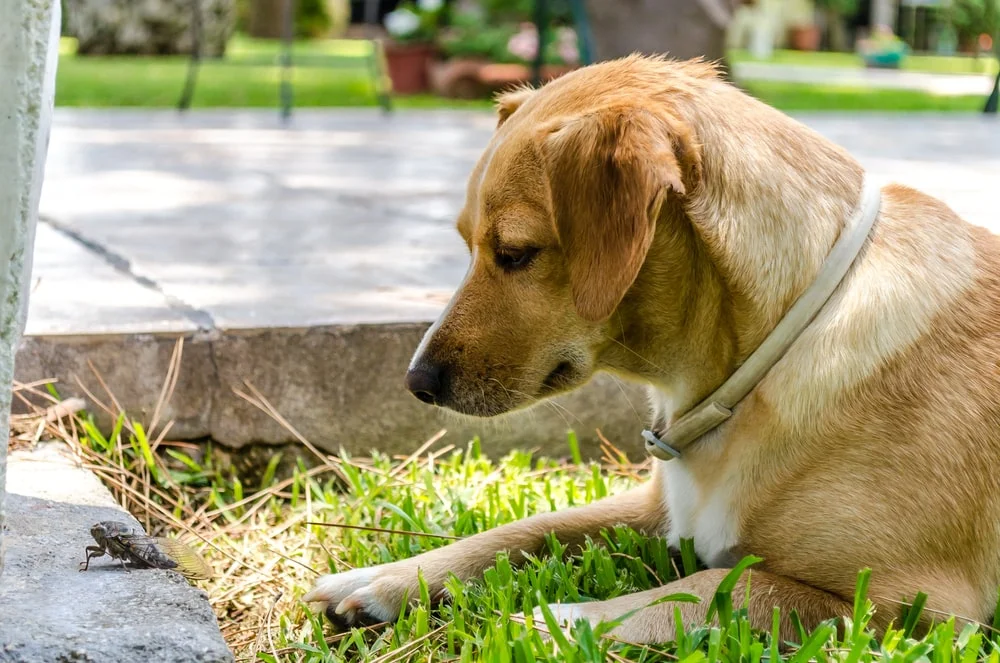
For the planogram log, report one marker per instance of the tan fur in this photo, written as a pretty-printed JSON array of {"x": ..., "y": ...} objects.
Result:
[{"x": 676, "y": 220}]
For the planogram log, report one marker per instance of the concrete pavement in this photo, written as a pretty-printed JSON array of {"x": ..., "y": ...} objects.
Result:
[{"x": 309, "y": 260}]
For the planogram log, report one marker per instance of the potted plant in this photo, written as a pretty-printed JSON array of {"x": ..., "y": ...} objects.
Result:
[
  {"x": 412, "y": 29},
  {"x": 561, "y": 55},
  {"x": 486, "y": 53},
  {"x": 883, "y": 49}
]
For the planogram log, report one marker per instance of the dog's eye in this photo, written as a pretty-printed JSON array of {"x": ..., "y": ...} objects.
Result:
[{"x": 511, "y": 259}]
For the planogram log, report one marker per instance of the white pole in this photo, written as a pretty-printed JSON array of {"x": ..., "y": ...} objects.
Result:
[
  {"x": 29, "y": 52},
  {"x": 883, "y": 12}
]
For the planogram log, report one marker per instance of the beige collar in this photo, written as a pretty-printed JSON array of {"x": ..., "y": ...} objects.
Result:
[{"x": 718, "y": 407}]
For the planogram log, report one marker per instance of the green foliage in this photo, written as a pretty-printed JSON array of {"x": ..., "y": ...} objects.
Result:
[
  {"x": 514, "y": 11},
  {"x": 469, "y": 37},
  {"x": 840, "y": 7},
  {"x": 311, "y": 18},
  {"x": 970, "y": 18},
  {"x": 486, "y": 31}
]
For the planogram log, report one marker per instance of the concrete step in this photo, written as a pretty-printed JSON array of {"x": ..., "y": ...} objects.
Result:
[{"x": 339, "y": 386}]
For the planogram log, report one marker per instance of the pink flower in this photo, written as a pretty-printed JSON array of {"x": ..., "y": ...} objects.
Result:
[
  {"x": 524, "y": 44},
  {"x": 566, "y": 45}
]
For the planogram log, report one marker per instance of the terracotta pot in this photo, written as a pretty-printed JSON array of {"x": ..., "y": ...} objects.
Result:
[
  {"x": 458, "y": 78},
  {"x": 469, "y": 78},
  {"x": 500, "y": 76},
  {"x": 805, "y": 37},
  {"x": 408, "y": 66}
]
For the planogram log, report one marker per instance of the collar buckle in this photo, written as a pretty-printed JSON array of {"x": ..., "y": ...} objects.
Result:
[{"x": 658, "y": 448}]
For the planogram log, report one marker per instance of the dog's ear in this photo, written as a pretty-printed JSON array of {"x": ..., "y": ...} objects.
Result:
[
  {"x": 510, "y": 101},
  {"x": 609, "y": 172}
]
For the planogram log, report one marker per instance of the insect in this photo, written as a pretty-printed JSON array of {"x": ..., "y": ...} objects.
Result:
[{"x": 129, "y": 544}]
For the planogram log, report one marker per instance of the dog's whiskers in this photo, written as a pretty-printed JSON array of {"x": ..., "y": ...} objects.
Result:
[
  {"x": 639, "y": 356},
  {"x": 621, "y": 388}
]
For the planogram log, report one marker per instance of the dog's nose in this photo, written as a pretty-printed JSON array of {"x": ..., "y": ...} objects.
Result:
[{"x": 424, "y": 382}]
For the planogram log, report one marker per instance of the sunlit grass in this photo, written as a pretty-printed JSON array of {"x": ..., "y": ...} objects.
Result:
[
  {"x": 263, "y": 539},
  {"x": 933, "y": 64},
  {"x": 841, "y": 98},
  {"x": 336, "y": 73}
]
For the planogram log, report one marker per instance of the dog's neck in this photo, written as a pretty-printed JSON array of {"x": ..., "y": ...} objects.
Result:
[
  {"x": 761, "y": 227},
  {"x": 767, "y": 223}
]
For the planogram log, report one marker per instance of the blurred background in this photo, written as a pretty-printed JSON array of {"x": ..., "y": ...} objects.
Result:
[{"x": 439, "y": 52}]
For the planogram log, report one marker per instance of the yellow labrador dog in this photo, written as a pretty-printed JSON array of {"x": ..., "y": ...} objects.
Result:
[{"x": 643, "y": 217}]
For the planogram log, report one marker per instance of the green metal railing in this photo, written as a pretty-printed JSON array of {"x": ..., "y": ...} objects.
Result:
[
  {"x": 583, "y": 35},
  {"x": 286, "y": 94}
]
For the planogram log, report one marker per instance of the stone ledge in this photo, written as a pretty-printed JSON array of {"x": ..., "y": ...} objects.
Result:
[
  {"x": 341, "y": 386},
  {"x": 49, "y": 611}
]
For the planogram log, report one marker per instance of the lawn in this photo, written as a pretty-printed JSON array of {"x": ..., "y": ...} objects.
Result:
[
  {"x": 815, "y": 97},
  {"x": 336, "y": 74},
  {"x": 932, "y": 64},
  {"x": 268, "y": 536}
]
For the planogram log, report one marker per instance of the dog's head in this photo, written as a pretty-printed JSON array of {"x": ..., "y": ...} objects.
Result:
[{"x": 561, "y": 212}]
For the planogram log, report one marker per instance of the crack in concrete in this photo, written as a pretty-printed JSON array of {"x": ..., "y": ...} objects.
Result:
[{"x": 200, "y": 317}]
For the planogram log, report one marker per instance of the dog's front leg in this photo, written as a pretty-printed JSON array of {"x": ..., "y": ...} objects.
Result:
[
  {"x": 655, "y": 622},
  {"x": 376, "y": 593}
]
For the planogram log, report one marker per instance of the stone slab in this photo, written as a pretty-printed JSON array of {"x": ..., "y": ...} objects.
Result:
[
  {"x": 49, "y": 611},
  {"x": 344, "y": 218}
]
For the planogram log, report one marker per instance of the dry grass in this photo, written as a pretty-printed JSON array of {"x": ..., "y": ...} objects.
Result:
[{"x": 262, "y": 544}]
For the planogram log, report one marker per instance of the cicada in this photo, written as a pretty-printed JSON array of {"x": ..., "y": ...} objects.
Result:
[{"x": 129, "y": 544}]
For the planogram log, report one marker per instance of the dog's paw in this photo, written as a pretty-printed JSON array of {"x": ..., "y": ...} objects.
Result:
[
  {"x": 361, "y": 596},
  {"x": 566, "y": 614}
]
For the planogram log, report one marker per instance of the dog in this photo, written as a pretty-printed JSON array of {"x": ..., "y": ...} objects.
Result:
[{"x": 644, "y": 217}]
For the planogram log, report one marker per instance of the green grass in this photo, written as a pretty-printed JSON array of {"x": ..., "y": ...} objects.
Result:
[
  {"x": 259, "y": 533},
  {"x": 334, "y": 74},
  {"x": 260, "y": 537},
  {"x": 934, "y": 64},
  {"x": 799, "y": 97},
  {"x": 327, "y": 74}
]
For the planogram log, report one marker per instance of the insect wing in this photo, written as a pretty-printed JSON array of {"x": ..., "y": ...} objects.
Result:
[
  {"x": 188, "y": 562},
  {"x": 146, "y": 550}
]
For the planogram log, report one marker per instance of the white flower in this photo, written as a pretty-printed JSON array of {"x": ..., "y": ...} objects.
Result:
[
  {"x": 430, "y": 5},
  {"x": 401, "y": 22}
]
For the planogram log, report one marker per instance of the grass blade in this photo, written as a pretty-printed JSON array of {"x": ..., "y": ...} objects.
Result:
[
  {"x": 689, "y": 559},
  {"x": 814, "y": 644}
]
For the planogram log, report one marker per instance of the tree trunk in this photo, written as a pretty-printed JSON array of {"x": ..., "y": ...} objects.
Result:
[
  {"x": 681, "y": 29},
  {"x": 152, "y": 27}
]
